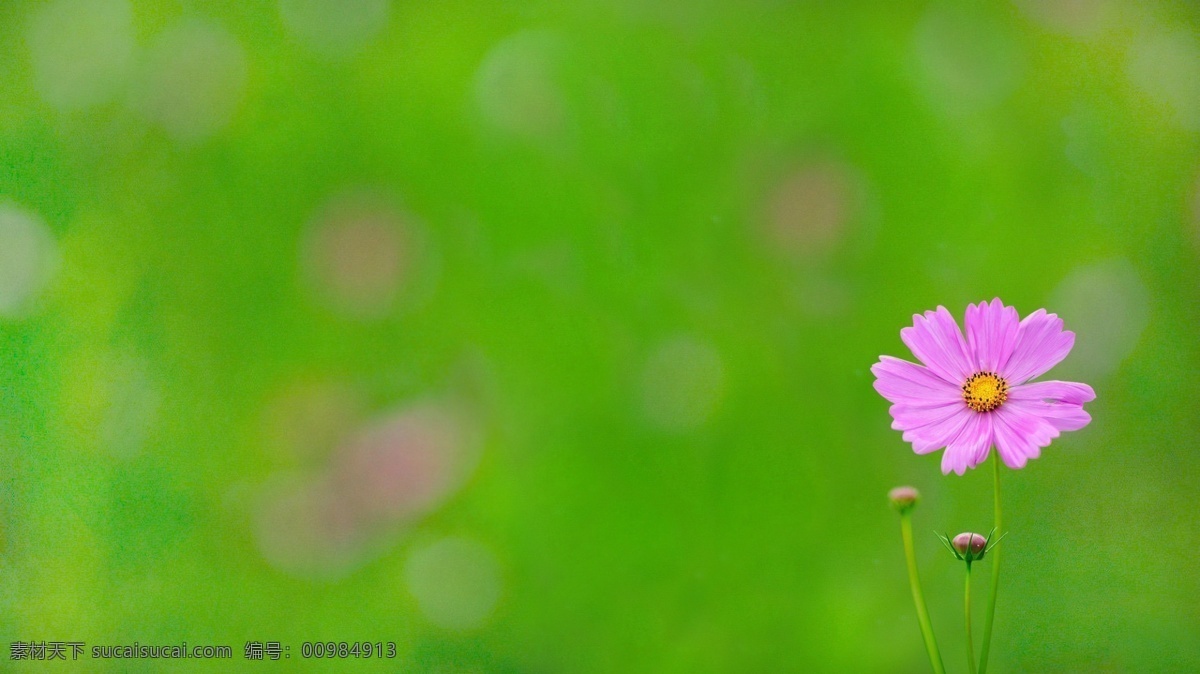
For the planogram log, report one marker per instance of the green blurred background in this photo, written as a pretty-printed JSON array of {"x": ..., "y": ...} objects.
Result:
[{"x": 535, "y": 336}]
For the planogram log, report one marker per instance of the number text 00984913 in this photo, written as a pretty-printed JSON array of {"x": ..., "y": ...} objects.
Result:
[{"x": 344, "y": 649}]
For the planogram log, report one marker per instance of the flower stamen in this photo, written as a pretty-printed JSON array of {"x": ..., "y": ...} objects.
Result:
[{"x": 985, "y": 391}]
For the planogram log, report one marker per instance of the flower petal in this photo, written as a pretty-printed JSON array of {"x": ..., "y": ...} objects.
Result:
[
  {"x": 1020, "y": 435},
  {"x": 1063, "y": 416},
  {"x": 973, "y": 441},
  {"x": 937, "y": 435},
  {"x": 1054, "y": 391},
  {"x": 912, "y": 417},
  {"x": 1041, "y": 344},
  {"x": 985, "y": 446},
  {"x": 1058, "y": 402},
  {"x": 991, "y": 333},
  {"x": 938, "y": 343},
  {"x": 908, "y": 383}
]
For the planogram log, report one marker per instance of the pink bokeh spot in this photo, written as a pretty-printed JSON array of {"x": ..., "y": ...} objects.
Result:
[
  {"x": 306, "y": 528},
  {"x": 361, "y": 255},
  {"x": 404, "y": 464},
  {"x": 973, "y": 393},
  {"x": 810, "y": 209}
]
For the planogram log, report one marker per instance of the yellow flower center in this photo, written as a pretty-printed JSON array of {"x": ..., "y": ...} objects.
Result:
[{"x": 985, "y": 391}]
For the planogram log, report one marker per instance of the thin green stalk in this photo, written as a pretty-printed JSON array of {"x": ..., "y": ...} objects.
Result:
[
  {"x": 935, "y": 656},
  {"x": 967, "y": 606},
  {"x": 994, "y": 555}
]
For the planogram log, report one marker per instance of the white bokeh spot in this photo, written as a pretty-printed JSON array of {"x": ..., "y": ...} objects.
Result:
[
  {"x": 516, "y": 86},
  {"x": 82, "y": 51},
  {"x": 1166, "y": 68},
  {"x": 966, "y": 62},
  {"x": 682, "y": 383},
  {"x": 456, "y": 582},
  {"x": 335, "y": 28},
  {"x": 1107, "y": 306},
  {"x": 192, "y": 81},
  {"x": 29, "y": 259}
]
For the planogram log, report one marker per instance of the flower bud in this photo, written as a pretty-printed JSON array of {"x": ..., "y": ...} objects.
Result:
[
  {"x": 904, "y": 499},
  {"x": 970, "y": 546}
]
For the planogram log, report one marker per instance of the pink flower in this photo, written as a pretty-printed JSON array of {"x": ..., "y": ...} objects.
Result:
[{"x": 972, "y": 394}]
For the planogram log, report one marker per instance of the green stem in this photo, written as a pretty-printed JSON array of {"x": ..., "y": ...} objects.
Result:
[
  {"x": 935, "y": 657},
  {"x": 967, "y": 607},
  {"x": 994, "y": 555}
]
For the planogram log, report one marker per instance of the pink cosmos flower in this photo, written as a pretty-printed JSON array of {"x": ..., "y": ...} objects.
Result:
[{"x": 974, "y": 394}]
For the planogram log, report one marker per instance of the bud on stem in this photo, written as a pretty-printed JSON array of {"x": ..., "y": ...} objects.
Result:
[
  {"x": 969, "y": 546},
  {"x": 904, "y": 499}
]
